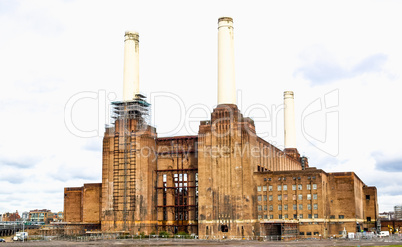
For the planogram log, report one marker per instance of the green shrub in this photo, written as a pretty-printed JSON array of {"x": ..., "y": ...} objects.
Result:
[{"x": 164, "y": 234}]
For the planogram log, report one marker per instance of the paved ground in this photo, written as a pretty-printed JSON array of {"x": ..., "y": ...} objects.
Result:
[{"x": 209, "y": 243}]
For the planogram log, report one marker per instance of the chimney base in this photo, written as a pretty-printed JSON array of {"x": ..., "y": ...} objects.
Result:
[{"x": 292, "y": 152}]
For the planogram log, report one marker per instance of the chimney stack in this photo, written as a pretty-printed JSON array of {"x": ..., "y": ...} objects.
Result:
[
  {"x": 290, "y": 127},
  {"x": 226, "y": 66},
  {"x": 131, "y": 75}
]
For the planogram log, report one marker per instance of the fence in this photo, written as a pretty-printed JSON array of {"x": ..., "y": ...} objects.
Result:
[{"x": 176, "y": 238}]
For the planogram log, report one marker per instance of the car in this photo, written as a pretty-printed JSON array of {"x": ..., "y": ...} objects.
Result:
[{"x": 2, "y": 240}]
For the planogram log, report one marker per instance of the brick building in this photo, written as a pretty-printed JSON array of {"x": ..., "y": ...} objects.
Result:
[
  {"x": 225, "y": 181},
  {"x": 11, "y": 216}
]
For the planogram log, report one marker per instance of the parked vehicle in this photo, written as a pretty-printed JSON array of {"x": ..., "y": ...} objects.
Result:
[
  {"x": 384, "y": 234},
  {"x": 2, "y": 240},
  {"x": 20, "y": 236}
]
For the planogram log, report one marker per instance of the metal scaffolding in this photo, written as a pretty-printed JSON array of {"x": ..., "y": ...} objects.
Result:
[{"x": 131, "y": 117}]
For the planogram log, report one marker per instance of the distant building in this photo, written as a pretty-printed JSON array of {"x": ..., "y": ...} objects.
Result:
[
  {"x": 42, "y": 215},
  {"x": 25, "y": 216},
  {"x": 224, "y": 182},
  {"x": 398, "y": 212},
  {"x": 387, "y": 215},
  {"x": 11, "y": 216},
  {"x": 58, "y": 217}
]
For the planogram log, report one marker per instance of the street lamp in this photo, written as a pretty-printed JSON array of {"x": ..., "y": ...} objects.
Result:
[{"x": 23, "y": 231}]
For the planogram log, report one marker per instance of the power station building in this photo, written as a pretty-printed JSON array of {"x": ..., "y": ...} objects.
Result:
[{"x": 224, "y": 182}]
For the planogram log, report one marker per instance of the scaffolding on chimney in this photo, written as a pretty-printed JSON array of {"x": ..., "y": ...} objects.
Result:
[
  {"x": 137, "y": 112},
  {"x": 138, "y": 109}
]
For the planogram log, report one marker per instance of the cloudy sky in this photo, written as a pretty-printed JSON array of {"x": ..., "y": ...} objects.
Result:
[{"x": 61, "y": 63}]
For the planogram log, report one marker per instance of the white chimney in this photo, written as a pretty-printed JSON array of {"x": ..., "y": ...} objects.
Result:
[
  {"x": 290, "y": 126},
  {"x": 226, "y": 66},
  {"x": 131, "y": 75}
]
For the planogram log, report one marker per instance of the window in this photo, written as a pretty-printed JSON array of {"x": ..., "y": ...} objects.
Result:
[
  {"x": 285, "y": 197},
  {"x": 341, "y": 216},
  {"x": 316, "y": 233},
  {"x": 265, "y": 198},
  {"x": 299, "y": 187},
  {"x": 300, "y": 216},
  {"x": 295, "y": 216},
  {"x": 280, "y": 216},
  {"x": 259, "y": 198},
  {"x": 265, "y": 216},
  {"x": 258, "y": 188},
  {"x": 367, "y": 197},
  {"x": 310, "y": 216},
  {"x": 293, "y": 187},
  {"x": 279, "y": 207},
  {"x": 286, "y": 216},
  {"x": 314, "y": 186},
  {"x": 315, "y": 196},
  {"x": 309, "y": 206},
  {"x": 279, "y": 197},
  {"x": 271, "y": 208},
  {"x": 300, "y": 197},
  {"x": 308, "y": 186},
  {"x": 271, "y": 216},
  {"x": 308, "y": 196},
  {"x": 259, "y": 217},
  {"x": 315, "y": 206},
  {"x": 308, "y": 233},
  {"x": 285, "y": 187},
  {"x": 285, "y": 207},
  {"x": 315, "y": 216},
  {"x": 259, "y": 207},
  {"x": 265, "y": 207},
  {"x": 270, "y": 197},
  {"x": 294, "y": 197},
  {"x": 270, "y": 188},
  {"x": 294, "y": 206},
  {"x": 332, "y": 216},
  {"x": 279, "y": 187},
  {"x": 264, "y": 188},
  {"x": 368, "y": 219},
  {"x": 301, "y": 233},
  {"x": 164, "y": 178},
  {"x": 301, "y": 206}
]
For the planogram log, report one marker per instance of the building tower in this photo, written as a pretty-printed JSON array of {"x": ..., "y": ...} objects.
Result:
[{"x": 129, "y": 163}]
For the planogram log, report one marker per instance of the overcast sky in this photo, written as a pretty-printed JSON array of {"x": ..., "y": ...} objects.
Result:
[{"x": 61, "y": 62}]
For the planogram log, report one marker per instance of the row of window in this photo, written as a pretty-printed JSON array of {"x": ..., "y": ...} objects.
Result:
[
  {"x": 284, "y": 178},
  {"x": 285, "y": 187},
  {"x": 309, "y": 233},
  {"x": 339, "y": 216},
  {"x": 285, "y": 197},
  {"x": 285, "y": 207},
  {"x": 285, "y": 216}
]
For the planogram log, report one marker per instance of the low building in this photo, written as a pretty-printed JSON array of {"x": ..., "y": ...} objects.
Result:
[
  {"x": 11, "y": 216},
  {"x": 322, "y": 204},
  {"x": 40, "y": 215}
]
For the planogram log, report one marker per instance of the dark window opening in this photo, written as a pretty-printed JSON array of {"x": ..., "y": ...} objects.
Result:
[
  {"x": 367, "y": 197},
  {"x": 224, "y": 228}
]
